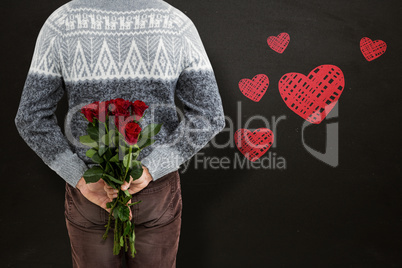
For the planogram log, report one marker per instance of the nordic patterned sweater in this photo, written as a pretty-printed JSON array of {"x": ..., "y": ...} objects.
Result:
[{"x": 96, "y": 50}]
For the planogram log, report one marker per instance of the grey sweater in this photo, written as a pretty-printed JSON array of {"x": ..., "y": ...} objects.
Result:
[{"x": 95, "y": 50}]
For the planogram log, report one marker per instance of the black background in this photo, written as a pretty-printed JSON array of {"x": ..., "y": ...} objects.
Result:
[{"x": 309, "y": 215}]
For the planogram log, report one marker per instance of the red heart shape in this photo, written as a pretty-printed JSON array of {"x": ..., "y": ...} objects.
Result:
[
  {"x": 313, "y": 96},
  {"x": 254, "y": 89},
  {"x": 279, "y": 43},
  {"x": 254, "y": 144},
  {"x": 372, "y": 50}
]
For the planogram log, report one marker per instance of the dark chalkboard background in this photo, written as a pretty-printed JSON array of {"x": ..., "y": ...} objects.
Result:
[{"x": 308, "y": 215}]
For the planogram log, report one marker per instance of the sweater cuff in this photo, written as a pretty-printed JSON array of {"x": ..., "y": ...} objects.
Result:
[
  {"x": 162, "y": 161},
  {"x": 69, "y": 166}
]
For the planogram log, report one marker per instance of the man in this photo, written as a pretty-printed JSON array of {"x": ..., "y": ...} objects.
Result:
[{"x": 154, "y": 56}]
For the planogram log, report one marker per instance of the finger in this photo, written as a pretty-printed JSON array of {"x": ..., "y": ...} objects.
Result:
[
  {"x": 112, "y": 194},
  {"x": 126, "y": 184},
  {"x": 131, "y": 213},
  {"x": 109, "y": 188},
  {"x": 133, "y": 190}
]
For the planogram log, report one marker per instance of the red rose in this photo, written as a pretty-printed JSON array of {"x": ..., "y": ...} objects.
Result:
[
  {"x": 138, "y": 107},
  {"x": 119, "y": 107},
  {"x": 130, "y": 131},
  {"x": 90, "y": 111},
  {"x": 119, "y": 120},
  {"x": 103, "y": 111}
]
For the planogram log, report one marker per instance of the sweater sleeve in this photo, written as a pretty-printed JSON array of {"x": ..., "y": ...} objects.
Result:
[
  {"x": 35, "y": 120},
  {"x": 203, "y": 115}
]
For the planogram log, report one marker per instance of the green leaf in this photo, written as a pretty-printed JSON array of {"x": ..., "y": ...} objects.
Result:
[
  {"x": 128, "y": 228},
  {"x": 116, "y": 139},
  {"x": 145, "y": 142},
  {"x": 124, "y": 213},
  {"x": 141, "y": 141},
  {"x": 135, "y": 203},
  {"x": 97, "y": 158},
  {"x": 102, "y": 149},
  {"x": 126, "y": 160},
  {"x": 132, "y": 236},
  {"x": 105, "y": 139},
  {"x": 107, "y": 168},
  {"x": 115, "y": 158},
  {"x": 126, "y": 199},
  {"x": 115, "y": 213},
  {"x": 124, "y": 148},
  {"x": 137, "y": 171},
  {"x": 151, "y": 130},
  {"x": 127, "y": 193},
  {"x": 86, "y": 140},
  {"x": 121, "y": 241},
  {"x": 112, "y": 134},
  {"x": 113, "y": 179},
  {"x": 136, "y": 163},
  {"x": 90, "y": 152},
  {"x": 93, "y": 131},
  {"x": 109, "y": 205},
  {"x": 108, "y": 154},
  {"x": 93, "y": 174}
]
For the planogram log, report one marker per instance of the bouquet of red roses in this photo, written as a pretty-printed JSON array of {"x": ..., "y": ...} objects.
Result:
[{"x": 116, "y": 139}]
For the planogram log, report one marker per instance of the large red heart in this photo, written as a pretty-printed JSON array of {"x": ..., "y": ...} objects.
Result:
[
  {"x": 372, "y": 49},
  {"x": 254, "y": 144},
  {"x": 254, "y": 89},
  {"x": 279, "y": 43},
  {"x": 313, "y": 96}
]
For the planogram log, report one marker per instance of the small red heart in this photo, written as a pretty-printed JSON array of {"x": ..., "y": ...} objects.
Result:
[
  {"x": 279, "y": 43},
  {"x": 312, "y": 97},
  {"x": 372, "y": 49},
  {"x": 254, "y": 144},
  {"x": 254, "y": 89}
]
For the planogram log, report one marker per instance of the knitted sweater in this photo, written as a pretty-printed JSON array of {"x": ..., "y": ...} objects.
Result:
[{"x": 96, "y": 50}]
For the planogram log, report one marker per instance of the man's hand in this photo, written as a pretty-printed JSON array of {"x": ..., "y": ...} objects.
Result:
[
  {"x": 94, "y": 192},
  {"x": 132, "y": 186}
]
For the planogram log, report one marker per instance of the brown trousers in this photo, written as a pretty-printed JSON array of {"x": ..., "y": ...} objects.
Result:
[{"x": 157, "y": 222}]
